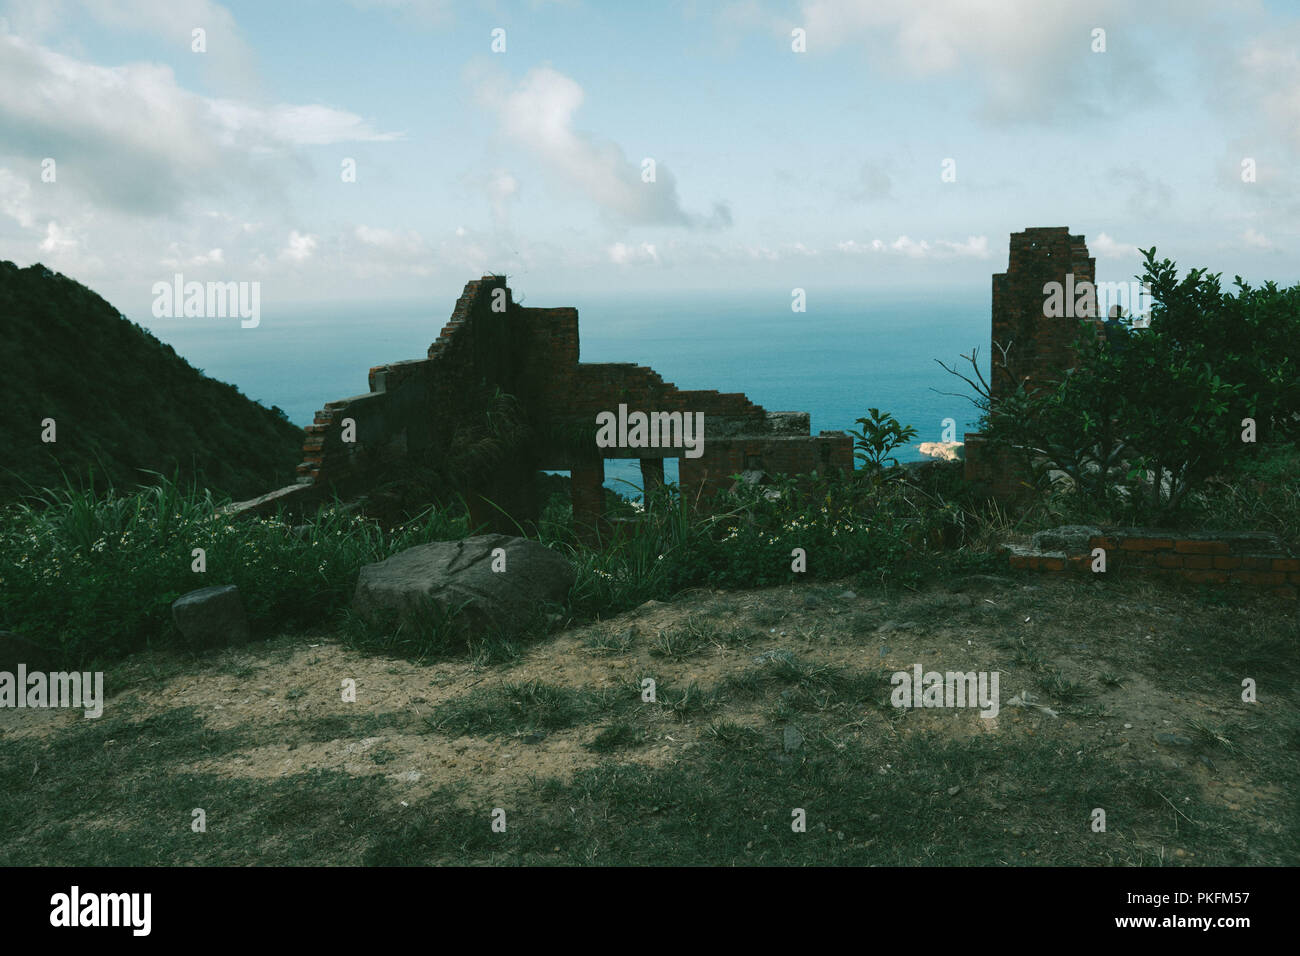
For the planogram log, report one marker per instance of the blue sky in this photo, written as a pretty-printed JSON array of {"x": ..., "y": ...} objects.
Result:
[{"x": 775, "y": 169}]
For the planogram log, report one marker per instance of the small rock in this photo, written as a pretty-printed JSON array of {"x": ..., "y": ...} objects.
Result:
[
  {"x": 1173, "y": 740},
  {"x": 847, "y": 596},
  {"x": 211, "y": 617},
  {"x": 953, "y": 791},
  {"x": 768, "y": 657},
  {"x": 883, "y": 650},
  {"x": 535, "y": 738}
]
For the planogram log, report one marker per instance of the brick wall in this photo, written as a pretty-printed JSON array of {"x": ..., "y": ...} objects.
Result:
[
  {"x": 1247, "y": 558},
  {"x": 1038, "y": 349},
  {"x": 416, "y": 407}
]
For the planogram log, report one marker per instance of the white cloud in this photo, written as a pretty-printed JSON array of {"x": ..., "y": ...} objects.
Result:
[
  {"x": 58, "y": 241},
  {"x": 142, "y": 143},
  {"x": 975, "y": 247},
  {"x": 538, "y": 115},
  {"x": 1026, "y": 57},
  {"x": 300, "y": 247},
  {"x": 228, "y": 62},
  {"x": 623, "y": 254},
  {"x": 1104, "y": 247},
  {"x": 1257, "y": 240}
]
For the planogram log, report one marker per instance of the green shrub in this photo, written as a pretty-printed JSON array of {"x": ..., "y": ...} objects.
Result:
[
  {"x": 1154, "y": 411},
  {"x": 94, "y": 576}
]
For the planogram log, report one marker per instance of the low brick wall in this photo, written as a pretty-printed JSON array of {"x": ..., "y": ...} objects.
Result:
[{"x": 1248, "y": 558}]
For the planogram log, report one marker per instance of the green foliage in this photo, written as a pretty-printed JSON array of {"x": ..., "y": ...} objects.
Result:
[
  {"x": 879, "y": 435},
  {"x": 123, "y": 402},
  {"x": 90, "y": 576},
  {"x": 1151, "y": 413},
  {"x": 846, "y": 525}
]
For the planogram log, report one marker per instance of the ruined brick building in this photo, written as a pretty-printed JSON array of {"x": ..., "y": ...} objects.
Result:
[
  {"x": 417, "y": 410},
  {"x": 492, "y": 346}
]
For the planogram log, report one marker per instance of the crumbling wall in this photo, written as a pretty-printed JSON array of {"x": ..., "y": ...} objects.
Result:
[
  {"x": 417, "y": 409},
  {"x": 1028, "y": 345}
]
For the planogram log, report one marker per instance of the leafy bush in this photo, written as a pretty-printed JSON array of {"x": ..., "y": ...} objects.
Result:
[{"x": 1152, "y": 411}]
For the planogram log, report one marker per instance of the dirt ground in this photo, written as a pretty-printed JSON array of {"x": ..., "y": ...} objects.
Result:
[{"x": 1148, "y": 676}]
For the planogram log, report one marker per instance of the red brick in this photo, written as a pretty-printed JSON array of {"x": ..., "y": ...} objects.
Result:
[
  {"x": 1147, "y": 544},
  {"x": 1263, "y": 579},
  {"x": 1228, "y": 563},
  {"x": 1201, "y": 547},
  {"x": 1109, "y": 543},
  {"x": 1288, "y": 594},
  {"x": 1053, "y": 564},
  {"x": 1207, "y": 577},
  {"x": 1294, "y": 577},
  {"x": 1169, "y": 560},
  {"x": 1286, "y": 564},
  {"x": 1253, "y": 562},
  {"x": 1019, "y": 562},
  {"x": 1197, "y": 561}
]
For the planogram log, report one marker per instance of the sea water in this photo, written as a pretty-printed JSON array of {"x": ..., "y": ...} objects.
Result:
[{"x": 848, "y": 352}]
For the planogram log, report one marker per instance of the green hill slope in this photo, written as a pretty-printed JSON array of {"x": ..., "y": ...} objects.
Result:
[{"x": 124, "y": 403}]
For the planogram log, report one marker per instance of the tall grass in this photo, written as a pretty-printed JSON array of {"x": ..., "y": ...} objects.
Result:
[{"x": 89, "y": 576}]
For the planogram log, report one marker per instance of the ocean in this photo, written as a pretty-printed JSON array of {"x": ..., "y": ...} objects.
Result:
[{"x": 847, "y": 353}]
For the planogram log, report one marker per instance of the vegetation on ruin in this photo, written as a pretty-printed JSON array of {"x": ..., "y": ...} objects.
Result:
[{"x": 1155, "y": 412}]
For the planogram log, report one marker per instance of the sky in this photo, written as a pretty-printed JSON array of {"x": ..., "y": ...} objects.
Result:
[{"x": 383, "y": 150}]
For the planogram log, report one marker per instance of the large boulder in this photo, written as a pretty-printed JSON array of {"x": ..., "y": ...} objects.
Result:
[
  {"x": 459, "y": 576},
  {"x": 211, "y": 617}
]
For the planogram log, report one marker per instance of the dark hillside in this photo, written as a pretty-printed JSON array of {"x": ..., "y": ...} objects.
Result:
[{"x": 124, "y": 403}]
